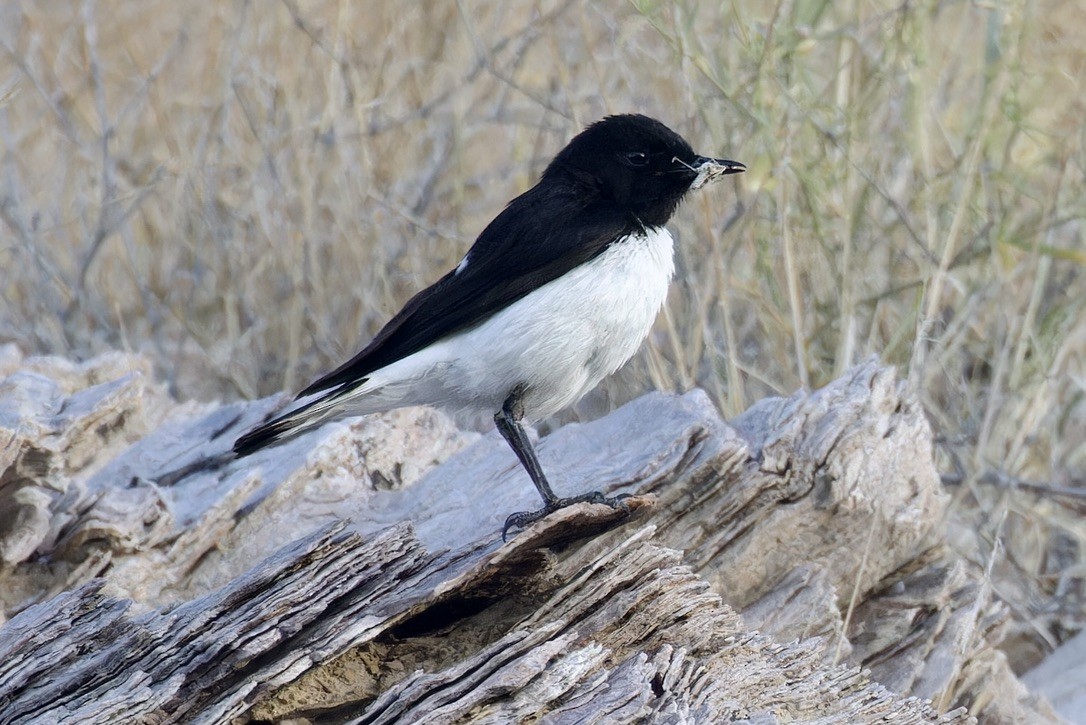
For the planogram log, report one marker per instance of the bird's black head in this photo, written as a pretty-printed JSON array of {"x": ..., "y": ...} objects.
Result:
[{"x": 637, "y": 163}]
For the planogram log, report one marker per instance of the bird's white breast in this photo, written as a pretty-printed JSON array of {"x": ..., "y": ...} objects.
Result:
[{"x": 558, "y": 341}]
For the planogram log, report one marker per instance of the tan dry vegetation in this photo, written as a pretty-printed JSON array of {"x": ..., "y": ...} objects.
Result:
[{"x": 248, "y": 190}]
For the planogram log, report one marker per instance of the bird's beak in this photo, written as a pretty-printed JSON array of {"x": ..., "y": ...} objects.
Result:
[
  {"x": 712, "y": 169},
  {"x": 725, "y": 166}
]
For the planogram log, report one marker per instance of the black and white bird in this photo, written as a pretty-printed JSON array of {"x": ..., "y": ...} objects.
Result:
[{"x": 557, "y": 293}]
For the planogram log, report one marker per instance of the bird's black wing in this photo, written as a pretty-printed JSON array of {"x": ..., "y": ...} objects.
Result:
[{"x": 541, "y": 235}]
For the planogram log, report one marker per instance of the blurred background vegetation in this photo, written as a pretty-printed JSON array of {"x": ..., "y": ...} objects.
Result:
[{"x": 246, "y": 191}]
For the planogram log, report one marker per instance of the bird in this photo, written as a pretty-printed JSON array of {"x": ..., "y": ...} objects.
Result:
[{"x": 555, "y": 294}]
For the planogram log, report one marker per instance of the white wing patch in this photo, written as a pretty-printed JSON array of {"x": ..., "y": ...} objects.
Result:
[{"x": 463, "y": 264}]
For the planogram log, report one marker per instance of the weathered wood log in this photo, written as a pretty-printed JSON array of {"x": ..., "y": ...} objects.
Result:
[{"x": 346, "y": 576}]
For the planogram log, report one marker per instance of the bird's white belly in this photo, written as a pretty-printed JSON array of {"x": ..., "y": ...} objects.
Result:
[{"x": 558, "y": 342}]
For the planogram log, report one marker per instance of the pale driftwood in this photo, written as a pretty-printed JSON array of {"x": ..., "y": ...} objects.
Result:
[
  {"x": 635, "y": 636},
  {"x": 176, "y": 584}
]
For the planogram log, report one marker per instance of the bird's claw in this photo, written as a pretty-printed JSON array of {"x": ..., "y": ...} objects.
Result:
[{"x": 523, "y": 519}]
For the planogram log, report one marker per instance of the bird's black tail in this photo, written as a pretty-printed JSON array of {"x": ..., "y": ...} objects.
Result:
[
  {"x": 290, "y": 424},
  {"x": 262, "y": 436}
]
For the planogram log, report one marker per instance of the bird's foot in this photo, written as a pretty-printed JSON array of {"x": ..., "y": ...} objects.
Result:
[{"x": 523, "y": 519}]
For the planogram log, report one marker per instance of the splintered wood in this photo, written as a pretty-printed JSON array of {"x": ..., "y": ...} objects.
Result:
[{"x": 357, "y": 574}]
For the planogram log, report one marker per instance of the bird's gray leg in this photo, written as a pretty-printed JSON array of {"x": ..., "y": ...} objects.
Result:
[{"x": 509, "y": 422}]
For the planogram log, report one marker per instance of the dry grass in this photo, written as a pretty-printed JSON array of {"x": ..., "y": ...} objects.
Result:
[{"x": 248, "y": 190}]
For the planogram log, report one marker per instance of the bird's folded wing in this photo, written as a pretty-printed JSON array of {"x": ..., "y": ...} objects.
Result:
[{"x": 540, "y": 236}]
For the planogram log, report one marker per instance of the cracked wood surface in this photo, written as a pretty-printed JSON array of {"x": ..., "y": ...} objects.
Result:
[{"x": 357, "y": 574}]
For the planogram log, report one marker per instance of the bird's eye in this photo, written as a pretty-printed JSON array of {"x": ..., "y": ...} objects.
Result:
[{"x": 636, "y": 158}]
